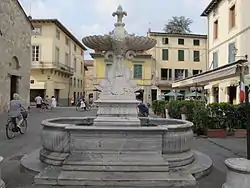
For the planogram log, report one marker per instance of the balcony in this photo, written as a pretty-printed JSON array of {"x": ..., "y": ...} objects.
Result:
[
  {"x": 52, "y": 65},
  {"x": 163, "y": 82}
]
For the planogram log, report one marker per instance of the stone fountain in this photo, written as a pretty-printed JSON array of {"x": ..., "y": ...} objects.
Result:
[{"x": 117, "y": 148}]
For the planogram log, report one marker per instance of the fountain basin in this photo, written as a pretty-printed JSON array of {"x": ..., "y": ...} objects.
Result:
[
  {"x": 2, "y": 184},
  {"x": 170, "y": 138}
]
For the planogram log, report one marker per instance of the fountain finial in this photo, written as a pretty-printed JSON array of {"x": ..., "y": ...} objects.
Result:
[{"x": 120, "y": 14}]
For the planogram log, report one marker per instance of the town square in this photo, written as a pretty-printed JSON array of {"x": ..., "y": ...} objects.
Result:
[{"x": 106, "y": 96}]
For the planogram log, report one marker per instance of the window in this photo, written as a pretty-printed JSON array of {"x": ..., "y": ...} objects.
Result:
[
  {"x": 35, "y": 53},
  {"x": 181, "y": 41},
  {"x": 32, "y": 81},
  {"x": 37, "y": 30},
  {"x": 215, "y": 60},
  {"x": 82, "y": 52},
  {"x": 66, "y": 59},
  {"x": 58, "y": 34},
  {"x": 196, "y": 72},
  {"x": 216, "y": 29},
  {"x": 181, "y": 55},
  {"x": 78, "y": 83},
  {"x": 75, "y": 64},
  {"x": 231, "y": 52},
  {"x": 166, "y": 74},
  {"x": 81, "y": 84},
  {"x": 178, "y": 74},
  {"x": 74, "y": 47},
  {"x": 196, "y": 56},
  {"x": 164, "y": 40},
  {"x": 57, "y": 55},
  {"x": 137, "y": 71},
  {"x": 81, "y": 67},
  {"x": 196, "y": 42},
  {"x": 186, "y": 73},
  {"x": 232, "y": 16},
  {"x": 108, "y": 68},
  {"x": 165, "y": 54},
  {"x": 66, "y": 40}
]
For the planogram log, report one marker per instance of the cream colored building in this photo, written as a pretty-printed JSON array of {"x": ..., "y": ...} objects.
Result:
[
  {"x": 176, "y": 56},
  {"x": 57, "y": 67},
  {"x": 228, "y": 46},
  {"x": 89, "y": 76}
]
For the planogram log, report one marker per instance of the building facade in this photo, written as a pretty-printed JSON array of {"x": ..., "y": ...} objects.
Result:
[
  {"x": 228, "y": 46},
  {"x": 57, "y": 67},
  {"x": 15, "y": 43},
  {"x": 89, "y": 75},
  {"x": 141, "y": 70},
  {"x": 177, "y": 56}
]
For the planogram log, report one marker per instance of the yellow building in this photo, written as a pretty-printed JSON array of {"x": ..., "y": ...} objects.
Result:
[
  {"x": 57, "y": 67},
  {"x": 228, "y": 48},
  {"x": 89, "y": 75},
  {"x": 141, "y": 70},
  {"x": 176, "y": 56}
]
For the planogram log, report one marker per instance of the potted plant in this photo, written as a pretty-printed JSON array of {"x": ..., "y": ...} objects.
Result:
[
  {"x": 200, "y": 119},
  {"x": 183, "y": 111},
  {"x": 240, "y": 122},
  {"x": 216, "y": 127}
]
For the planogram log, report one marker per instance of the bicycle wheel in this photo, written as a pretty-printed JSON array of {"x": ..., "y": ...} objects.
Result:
[
  {"x": 9, "y": 130},
  {"x": 23, "y": 126}
]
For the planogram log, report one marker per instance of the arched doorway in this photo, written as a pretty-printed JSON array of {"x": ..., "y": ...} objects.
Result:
[{"x": 14, "y": 80}]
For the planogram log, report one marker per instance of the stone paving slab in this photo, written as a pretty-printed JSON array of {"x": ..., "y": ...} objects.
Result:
[{"x": 237, "y": 146}]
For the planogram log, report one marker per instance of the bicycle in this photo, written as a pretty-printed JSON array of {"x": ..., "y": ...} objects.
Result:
[{"x": 10, "y": 126}]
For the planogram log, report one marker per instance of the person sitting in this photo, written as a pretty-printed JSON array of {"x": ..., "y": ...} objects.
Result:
[
  {"x": 143, "y": 110},
  {"x": 15, "y": 111}
]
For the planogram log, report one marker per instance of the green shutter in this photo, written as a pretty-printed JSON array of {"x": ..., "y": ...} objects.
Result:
[
  {"x": 181, "y": 55},
  {"x": 196, "y": 56},
  {"x": 165, "y": 54},
  {"x": 215, "y": 60},
  {"x": 231, "y": 56},
  {"x": 137, "y": 71}
]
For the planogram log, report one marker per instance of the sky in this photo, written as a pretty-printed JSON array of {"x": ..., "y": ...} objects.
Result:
[{"x": 94, "y": 17}]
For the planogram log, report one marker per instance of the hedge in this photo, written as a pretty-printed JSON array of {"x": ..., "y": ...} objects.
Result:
[{"x": 211, "y": 116}]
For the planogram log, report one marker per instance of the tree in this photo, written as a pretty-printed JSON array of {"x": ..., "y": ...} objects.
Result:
[{"x": 178, "y": 25}]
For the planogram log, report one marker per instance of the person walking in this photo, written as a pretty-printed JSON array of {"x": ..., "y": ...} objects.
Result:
[
  {"x": 38, "y": 101},
  {"x": 53, "y": 102}
]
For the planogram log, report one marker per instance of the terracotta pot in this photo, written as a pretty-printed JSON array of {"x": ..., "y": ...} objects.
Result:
[
  {"x": 217, "y": 133},
  {"x": 240, "y": 133}
]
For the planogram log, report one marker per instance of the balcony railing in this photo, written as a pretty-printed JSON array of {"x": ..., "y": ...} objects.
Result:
[{"x": 52, "y": 65}]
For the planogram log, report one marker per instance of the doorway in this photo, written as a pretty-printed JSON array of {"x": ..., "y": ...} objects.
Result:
[
  {"x": 13, "y": 85},
  {"x": 56, "y": 94},
  {"x": 232, "y": 92},
  {"x": 154, "y": 94}
]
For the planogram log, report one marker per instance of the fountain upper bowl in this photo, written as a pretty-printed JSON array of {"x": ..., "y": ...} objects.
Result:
[{"x": 132, "y": 42}]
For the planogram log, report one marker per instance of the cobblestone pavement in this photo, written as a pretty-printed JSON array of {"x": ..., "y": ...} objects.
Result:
[{"x": 13, "y": 150}]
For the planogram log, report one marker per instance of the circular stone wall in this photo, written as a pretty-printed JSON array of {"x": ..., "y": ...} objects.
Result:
[
  {"x": 2, "y": 184},
  {"x": 176, "y": 141},
  {"x": 55, "y": 138}
]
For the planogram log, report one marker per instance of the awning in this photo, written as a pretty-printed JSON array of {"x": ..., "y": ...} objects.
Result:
[{"x": 220, "y": 73}]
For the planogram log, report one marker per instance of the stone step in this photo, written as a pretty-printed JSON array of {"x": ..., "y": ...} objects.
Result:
[
  {"x": 145, "y": 162},
  {"x": 115, "y": 179}
]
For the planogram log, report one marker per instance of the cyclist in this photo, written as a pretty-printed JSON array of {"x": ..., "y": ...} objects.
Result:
[{"x": 15, "y": 109}]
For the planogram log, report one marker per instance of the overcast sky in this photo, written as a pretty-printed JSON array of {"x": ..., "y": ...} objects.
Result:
[{"x": 88, "y": 17}]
